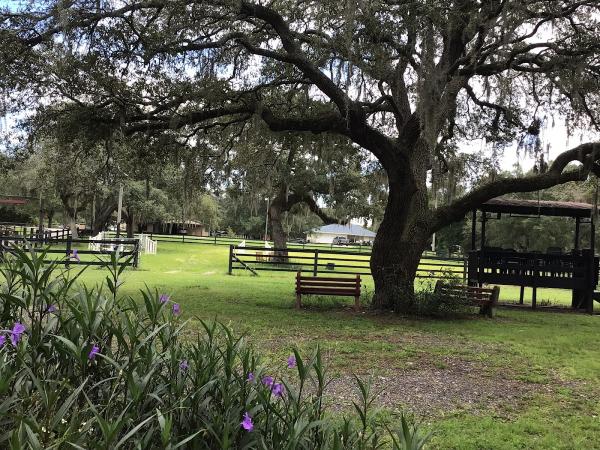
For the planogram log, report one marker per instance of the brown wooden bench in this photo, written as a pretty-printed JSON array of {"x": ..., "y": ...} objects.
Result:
[
  {"x": 327, "y": 286},
  {"x": 485, "y": 298}
]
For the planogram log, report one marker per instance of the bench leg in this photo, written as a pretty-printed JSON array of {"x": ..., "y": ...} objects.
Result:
[
  {"x": 357, "y": 303},
  {"x": 487, "y": 310},
  {"x": 298, "y": 301}
]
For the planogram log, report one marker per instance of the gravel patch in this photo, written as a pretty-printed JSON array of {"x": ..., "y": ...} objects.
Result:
[{"x": 425, "y": 391}]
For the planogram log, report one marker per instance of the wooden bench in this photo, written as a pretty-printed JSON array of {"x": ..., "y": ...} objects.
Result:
[
  {"x": 485, "y": 298},
  {"x": 327, "y": 286}
]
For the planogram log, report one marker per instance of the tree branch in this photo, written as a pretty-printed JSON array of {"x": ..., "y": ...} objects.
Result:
[{"x": 588, "y": 154}]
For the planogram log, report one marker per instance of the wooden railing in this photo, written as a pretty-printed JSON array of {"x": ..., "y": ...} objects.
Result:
[
  {"x": 75, "y": 252},
  {"x": 533, "y": 269},
  {"x": 323, "y": 261}
]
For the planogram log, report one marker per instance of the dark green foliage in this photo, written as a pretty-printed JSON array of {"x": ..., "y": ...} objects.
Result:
[
  {"x": 147, "y": 386},
  {"x": 12, "y": 215},
  {"x": 432, "y": 304}
]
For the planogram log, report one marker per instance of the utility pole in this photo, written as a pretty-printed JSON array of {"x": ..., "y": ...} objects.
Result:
[
  {"x": 41, "y": 219},
  {"x": 120, "y": 207},
  {"x": 267, "y": 219},
  {"x": 93, "y": 213},
  {"x": 435, "y": 204}
]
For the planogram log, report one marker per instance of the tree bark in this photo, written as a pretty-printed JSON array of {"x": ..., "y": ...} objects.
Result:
[
  {"x": 278, "y": 234},
  {"x": 402, "y": 237},
  {"x": 129, "y": 225},
  {"x": 50, "y": 216},
  {"x": 103, "y": 213},
  {"x": 72, "y": 224}
]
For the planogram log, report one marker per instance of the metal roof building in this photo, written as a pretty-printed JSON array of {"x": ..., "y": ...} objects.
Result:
[{"x": 326, "y": 233}]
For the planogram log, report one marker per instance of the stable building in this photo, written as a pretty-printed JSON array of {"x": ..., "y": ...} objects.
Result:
[{"x": 354, "y": 233}]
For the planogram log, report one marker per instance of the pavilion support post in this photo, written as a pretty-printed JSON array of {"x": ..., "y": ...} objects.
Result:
[
  {"x": 589, "y": 298},
  {"x": 473, "y": 230},
  {"x": 522, "y": 295},
  {"x": 483, "y": 221},
  {"x": 577, "y": 232}
]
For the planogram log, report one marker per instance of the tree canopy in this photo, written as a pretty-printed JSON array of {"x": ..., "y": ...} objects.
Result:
[{"x": 409, "y": 81}]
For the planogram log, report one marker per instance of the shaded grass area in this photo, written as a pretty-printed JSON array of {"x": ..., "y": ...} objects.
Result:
[{"x": 554, "y": 357}]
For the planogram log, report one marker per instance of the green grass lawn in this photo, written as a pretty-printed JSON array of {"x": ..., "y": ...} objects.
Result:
[{"x": 521, "y": 380}]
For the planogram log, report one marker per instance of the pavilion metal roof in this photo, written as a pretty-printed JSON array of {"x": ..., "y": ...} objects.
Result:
[
  {"x": 14, "y": 201},
  {"x": 505, "y": 205}
]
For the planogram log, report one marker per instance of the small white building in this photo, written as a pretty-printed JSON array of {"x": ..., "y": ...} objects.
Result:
[{"x": 325, "y": 234}]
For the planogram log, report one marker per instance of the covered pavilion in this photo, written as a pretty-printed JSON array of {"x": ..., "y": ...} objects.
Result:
[{"x": 576, "y": 270}]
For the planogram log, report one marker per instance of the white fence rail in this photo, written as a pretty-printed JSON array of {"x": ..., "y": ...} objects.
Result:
[{"x": 147, "y": 245}]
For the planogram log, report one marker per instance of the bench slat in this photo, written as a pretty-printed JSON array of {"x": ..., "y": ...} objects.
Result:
[
  {"x": 485, "y": 298},
  {"x": 467, "y": 291},
  {"x": 462, "y": 294},
  {"x": 353, "y": 280},
  {"x": 340, "y": 286},
  {"x": 328, "y": 284},
  {"x": 315, "y": 291}
]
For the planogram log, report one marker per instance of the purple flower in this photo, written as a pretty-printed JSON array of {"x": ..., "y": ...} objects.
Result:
[
  {"x": 51, "y": 309},
  {"x": 164, "y": 298},
  {"x": 278, "y": 390},
  {"x": 247, "y": 422},
  {"x": 176, "y": 309},
  {"x": 267, "y": 381},
  {"x": 2, "y": 340},
  {"x": 74, "y": 255},
  {"x": 251, "y": 377},
  {"x": 93, "y": 352},
  {"x": 183, "y": 365},
  {"x": 15, "y": 334},
  {"x": 291, "y": 362}
]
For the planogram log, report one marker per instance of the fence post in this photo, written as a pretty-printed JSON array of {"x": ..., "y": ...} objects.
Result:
[
  {"x": 69, "y": 245},
  {"x": 464, "y": 269},
  {"x": 230, "y": 258},
  {"x": 215, "y": 238},
  {"x": 183, "y": 238},
  {"x": 316, "y": 266},
  {"x": 136, "y": 255}
]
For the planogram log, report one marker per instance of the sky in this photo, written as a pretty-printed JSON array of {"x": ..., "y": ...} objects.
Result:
[{"x": 556, "y": 139}]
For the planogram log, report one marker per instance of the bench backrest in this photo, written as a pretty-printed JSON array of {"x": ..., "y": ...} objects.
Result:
[
  {"x": 470, "y": 294},
  {"x": 327, "y": 285}
]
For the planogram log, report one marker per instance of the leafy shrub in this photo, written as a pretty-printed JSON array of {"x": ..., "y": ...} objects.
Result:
[
  {"x": 85, "y": 368},
  {"x": 430, "y": 303}
]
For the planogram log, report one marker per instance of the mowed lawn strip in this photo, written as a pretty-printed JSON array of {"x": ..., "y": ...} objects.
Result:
[{"x": 522, "y": 380}]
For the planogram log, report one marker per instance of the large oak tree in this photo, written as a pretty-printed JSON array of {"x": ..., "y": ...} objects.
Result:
[{"x": 407, "y": 80}]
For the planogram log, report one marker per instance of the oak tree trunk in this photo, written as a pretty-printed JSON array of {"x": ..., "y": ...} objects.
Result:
[
  {"x": 277, "y": 232},
  {"x": 73, "y": 227},
  {"x": 50, "y": 216},
  {"x": 103, "y": 214},
  {"x": 402, "y": 237},
  {"x": 129, "y": 225}
]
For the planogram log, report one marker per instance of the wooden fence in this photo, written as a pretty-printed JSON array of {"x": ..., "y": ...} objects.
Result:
[
  {"x": 214, "y": 240},
  {"x": 33, "y": 233},
  {"x": 323, "y": 261},
  {"x": 75, "y": 252}
]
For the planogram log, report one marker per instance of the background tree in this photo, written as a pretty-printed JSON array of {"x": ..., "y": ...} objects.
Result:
[
  {"x": 325, "y": 174},
  {"x": 143, "y": 204}
]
